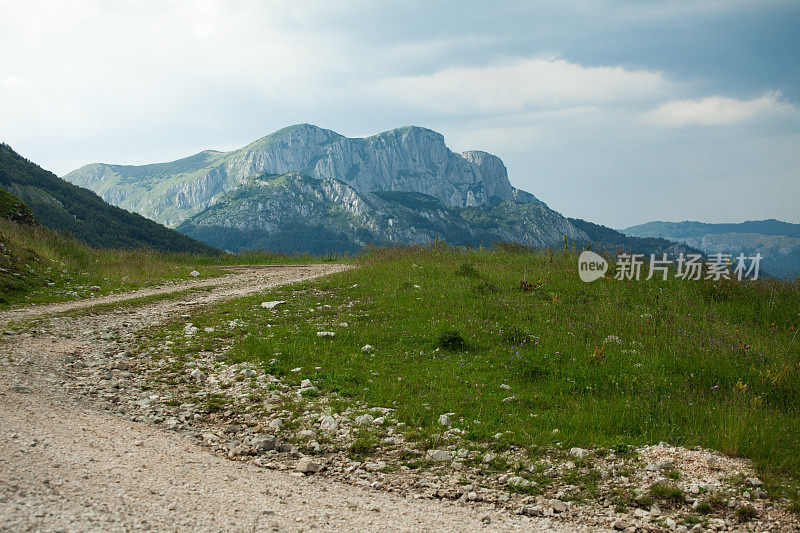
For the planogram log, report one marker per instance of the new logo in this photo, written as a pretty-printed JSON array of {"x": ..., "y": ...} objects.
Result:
[{"x": 591, "y": 266}]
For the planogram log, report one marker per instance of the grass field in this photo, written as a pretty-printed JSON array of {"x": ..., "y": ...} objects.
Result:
[
  {"x": 38, "y": 265},
  {"x": 564, "y": 363}
]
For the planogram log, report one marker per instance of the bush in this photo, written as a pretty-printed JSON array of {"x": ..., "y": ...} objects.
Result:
[
  {"x": 452, "y": 340},
  {"x": 465, "y": 269}
]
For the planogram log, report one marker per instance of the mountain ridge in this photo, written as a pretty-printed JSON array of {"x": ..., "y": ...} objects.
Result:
[
  {"x": 777, "y": 241},
  {"x": 410, "y": 158},
  {"x": 296, "y": 212}
]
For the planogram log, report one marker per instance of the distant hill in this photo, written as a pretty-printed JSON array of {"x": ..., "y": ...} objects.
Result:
[
  {"x": 689, "y": 229},
  {"x": 62, "y": 206},
  {"x": 778, "y": 242},
  {"x": 603, "y": 237},
  {"x": 298, "y": 213}
]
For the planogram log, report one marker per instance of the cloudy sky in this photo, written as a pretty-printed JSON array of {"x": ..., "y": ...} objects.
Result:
[{"x": 617, "y": 112}]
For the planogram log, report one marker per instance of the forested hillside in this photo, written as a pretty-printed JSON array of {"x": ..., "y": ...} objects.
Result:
[{"x": 62, "y": 206}]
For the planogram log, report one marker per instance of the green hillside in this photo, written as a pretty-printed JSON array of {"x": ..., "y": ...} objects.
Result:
[
  {"x": 614, "y": 241},
  {"x": 64, "y": 207},
  {"x": 14, "y": 209}
]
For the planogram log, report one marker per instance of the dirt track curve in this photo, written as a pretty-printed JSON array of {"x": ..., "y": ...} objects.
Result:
[{"x": 68, "y": 465}]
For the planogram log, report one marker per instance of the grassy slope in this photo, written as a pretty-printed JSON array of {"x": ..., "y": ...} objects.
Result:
[
  {"x": 12, "y": 208},
  {"x": 697, "y": 363},
  {"x": 38, "y": 265}
]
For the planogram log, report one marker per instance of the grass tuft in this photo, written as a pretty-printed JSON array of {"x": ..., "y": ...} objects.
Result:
[{"x": 451, "y": 340}]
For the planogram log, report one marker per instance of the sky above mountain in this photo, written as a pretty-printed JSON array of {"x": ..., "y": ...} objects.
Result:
[{"x": 617, "y": 112}]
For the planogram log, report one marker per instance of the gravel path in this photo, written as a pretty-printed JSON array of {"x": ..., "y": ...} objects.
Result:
[{"x": 67, "y": 465}]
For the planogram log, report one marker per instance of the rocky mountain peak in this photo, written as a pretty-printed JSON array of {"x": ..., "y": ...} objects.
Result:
[{"x": 409, "y": 159}]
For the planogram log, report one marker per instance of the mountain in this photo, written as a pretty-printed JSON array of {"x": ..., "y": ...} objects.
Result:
[
  {"x": 296, "y": 212},
  {"x": 409, "y": 159},
  {"x": 614, "y": 242},
  {"x": 778, "y": 242},
  {"x": 62, "y": 206}
]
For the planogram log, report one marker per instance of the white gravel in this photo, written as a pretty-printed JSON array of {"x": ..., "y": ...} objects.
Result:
[{"x": 67, "y": 466}]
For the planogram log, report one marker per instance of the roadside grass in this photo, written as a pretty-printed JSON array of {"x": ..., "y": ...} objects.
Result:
[
  {"x": 608, "y": 364},
  {"x": 38, "y": 265}
]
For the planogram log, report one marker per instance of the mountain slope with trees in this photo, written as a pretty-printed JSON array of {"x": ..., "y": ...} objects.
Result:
[{"x": 64, "y": 207}]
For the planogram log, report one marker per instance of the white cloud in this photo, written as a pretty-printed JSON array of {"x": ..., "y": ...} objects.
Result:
[
  {"x": 520, "y": 84},
  {"x": 13, "y": 81},
  {"x": 719, "y": 110}
]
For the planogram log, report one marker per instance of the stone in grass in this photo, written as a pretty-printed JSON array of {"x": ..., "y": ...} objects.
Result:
[
  {"x": 753, "y": 482},
  {"x": 364, "y": 420},
  {"x": 328, "y": 423},
  {"x": 621, "y": 524},
  {"x": 275, "y": 424},
  {"x": 578, "y": 453},
  {"x": 307, "y": 465},
  {"x": 444, "y": 420},
  {"x": 263, "y": 443},
  {"x": 440, "y": 455},
  {"x": 194, "y": 273},
  {"x": 367, "y": 348},
  {"x": 197, "y": 374},
  {"x": 307, "y": 385},
  {"x": 518, "y": 482},
  {"x": 558, "y": 506},
  {"x": 326, "y": 334},
  {"x": 273, "y": 304}
]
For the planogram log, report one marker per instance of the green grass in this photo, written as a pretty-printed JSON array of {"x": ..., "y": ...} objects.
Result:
[
  {"x": 666, "y": 494},
  {"x": 697, "y": 363},
  {"x": 38, "y": 265}
]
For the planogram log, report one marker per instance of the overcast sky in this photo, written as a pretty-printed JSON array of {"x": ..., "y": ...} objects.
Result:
[{"x": 616, "y": 112}]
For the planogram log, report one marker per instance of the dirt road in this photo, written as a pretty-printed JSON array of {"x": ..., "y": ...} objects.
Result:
[{"x": 66, "y": 464}]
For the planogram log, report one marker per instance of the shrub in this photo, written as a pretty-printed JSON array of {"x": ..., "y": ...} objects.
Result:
[
  {"x": 452, "y": 340},
  {"x": 465, "y": 269},
  {"x": 746, "y": 513}
]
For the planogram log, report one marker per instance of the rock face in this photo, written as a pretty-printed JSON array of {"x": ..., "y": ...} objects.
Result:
[
  {"x": 294, "y": 212},
  {"x": 409, "y": 159}
]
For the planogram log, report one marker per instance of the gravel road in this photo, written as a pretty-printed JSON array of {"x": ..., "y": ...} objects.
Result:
[{"x": 68, "y": 465}]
